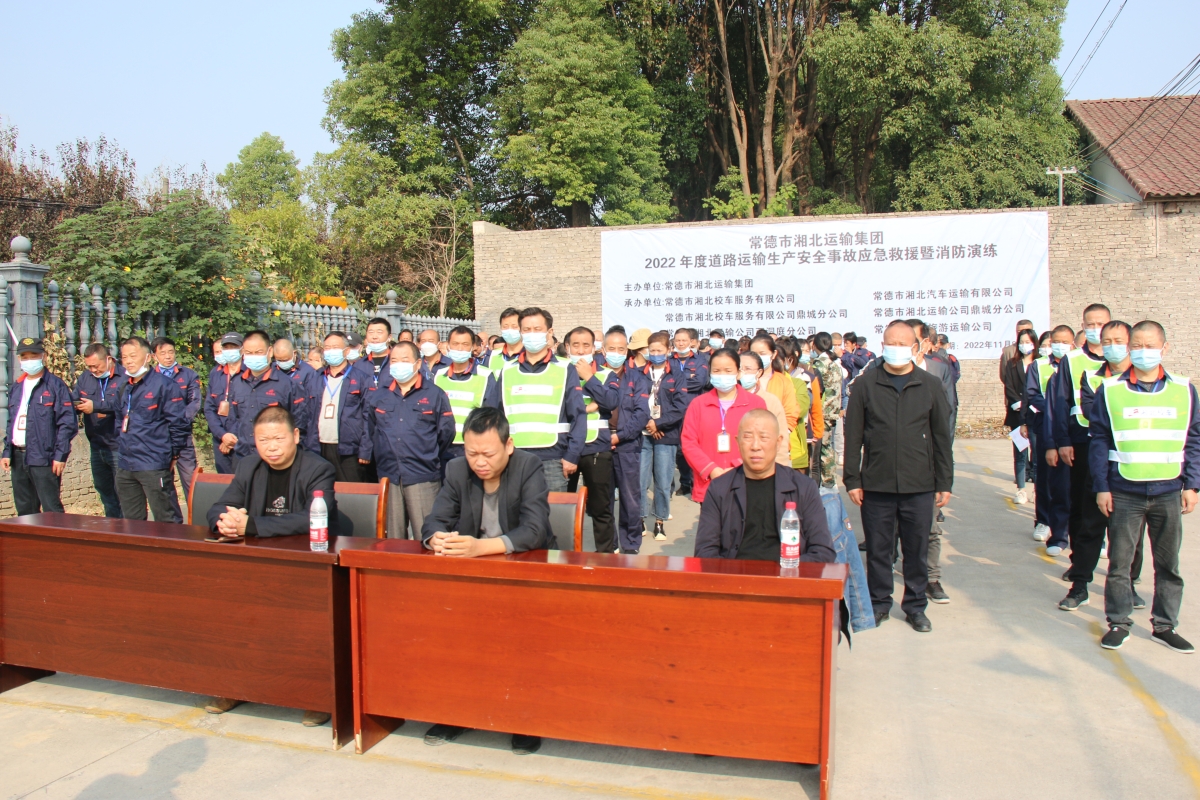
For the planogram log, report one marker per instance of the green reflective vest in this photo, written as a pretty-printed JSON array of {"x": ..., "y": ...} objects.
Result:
[
  {"x": 594, "y": 422},
  {"x": 1081, "y": 365},
  {"x": 497, "y": 362},
  {"x": 1149, "y": 428},
  {"x": 465, "y": 395},
  {"x": 1046, "y": 371},
  {"x": 533, "y": 403}
]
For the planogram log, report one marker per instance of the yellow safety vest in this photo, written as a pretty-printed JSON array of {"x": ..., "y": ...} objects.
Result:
[
  {"x": 594, "y": 422},
  {"x": 533, "y": 403},
  {"x": 465, "y": 394},
  {"x": 1148, "y": 428}
]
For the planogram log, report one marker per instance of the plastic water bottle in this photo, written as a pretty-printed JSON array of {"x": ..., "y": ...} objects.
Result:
[
  {"x": 789, "y": 537},
  {"x": 318, "y": 523}
]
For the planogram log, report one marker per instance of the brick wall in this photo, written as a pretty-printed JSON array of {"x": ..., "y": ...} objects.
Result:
[{"x": 1133, "y": 257}]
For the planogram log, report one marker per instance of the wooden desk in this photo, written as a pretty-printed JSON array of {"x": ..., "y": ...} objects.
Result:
[
  {"x": 266, "y": 620},
  {"x": 683, "y": 654}
]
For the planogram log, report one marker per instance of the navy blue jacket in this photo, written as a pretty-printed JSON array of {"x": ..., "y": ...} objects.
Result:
[
  {"x": 627, "y": 394},
  {"x": 157, "y": 431},
  {"x": 694, "y": 370},
  {"x": 378, "y": 373},
  {"x": 1034, "y": 409},
  {"x": 250, "y": 395},
  {"x": 189, "y": 384},
  {"x": 100, "y": 426},
  {"x": 307, "y": 380},
  {"x": 50, "y": 422},
  {"x": 219, "y": 389},
  {"x": 673, "y": 400},
  {"x": 1105, "y": 475},
  {"x": 603, "y": 441},
  {"x": 353, "y": 437},
  {"x": 569, "y": 446},
  {"x": 410, "y": 434},
  {"x": 1065, "y": 431},
  {"x": 442, "y": 363}
]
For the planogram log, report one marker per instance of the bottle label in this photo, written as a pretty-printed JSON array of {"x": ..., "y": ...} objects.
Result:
[
  {"x": 788, "y": 550},
  {"x": 318, "y": 535}
]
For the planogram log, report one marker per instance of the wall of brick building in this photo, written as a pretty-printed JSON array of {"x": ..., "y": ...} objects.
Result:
[{"x": 1134, "y": 257}]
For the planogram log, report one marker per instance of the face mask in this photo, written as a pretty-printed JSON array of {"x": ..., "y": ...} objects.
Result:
[
  {"x": 723, "y": 383},
  {"x": 229, "y": 356},
  {"x": 1115, "y": 353},
  {"x": 459, "y": 356},
  {"x": 1044, "y": 352},
  {"x": 656, "y": 360},
  {"x": 682, "y": 352},
  {"x": 534, "y": 341},
  {"x": 428, "y": 349},
  {"x": 614, "y": 360},
  {"x": 402, "y": 371},
  {"x": 1145, "y": 359},
  {"x": 31, "y": 366},
  {"x": 255, "y": 363},
  {"x": 144, "y": 369},
  {"x": 1093, "y": 335},
  {"x": 334, "y": 357},
  {"x": 586, "y": 358},
  {"x": 510, "y": 335},
  {"x": 1059, "y": 349},
  {"x": 286, "y": 366},
  {"x": 749, "y": 381},
  {"x": 715, "y": 343},
  {"x": 375, "y": 348},
  {"x": 805, "y": 357},
  {"x": 354, "y": 355},
  {"x": 1026, "y": 348},
  {"x": 897, "y": 355},
  {"x": 766, "y": 359}
]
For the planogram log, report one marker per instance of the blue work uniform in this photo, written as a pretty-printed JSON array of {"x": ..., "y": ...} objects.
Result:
[
  {"x": 410, "y": 433},
  {"x": 101, "y": 429},
  {"x": 193, "y": 396},
  {"x": 308, "y": 382},
  {"x": 491, "y": 393},
  {"x": 626, "y": 394},
  {"x": 1052, "y": 485},
  {"x": 569, "y": 446},
  {"x": 157, "y": 429},
  {"x": 50, "y": 425},
  {"x": 694, "y": 368},
  {"x": 354, "y": 439},
  {"x": 250, "y": 395},
  {"x": 220, "y": 393}
]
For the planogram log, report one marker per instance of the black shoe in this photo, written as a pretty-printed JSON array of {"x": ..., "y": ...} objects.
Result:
[
  {"x": 920, "y": 623},
  {"x": 1066, "y": 576},
  {"x": 1173, "y": 640},
  {"x": 882, "y": 617},
  {"x": 1078, "y": 596},
  {"x": 683, "y": 491},
  {"x": 1138, "y": 602},
  {"x": 1114, "y": 638},
  {"x": 940, "y": 516},
  {"x": 523, "y": 745},
  {"x": 659, "y": 534},
  {"x": 936, "y": 594},
  {"x": 441, "y": 734}
]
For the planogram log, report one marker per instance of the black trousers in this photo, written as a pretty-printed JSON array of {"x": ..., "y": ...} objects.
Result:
[
  {"x": 345, "y": 468},
  {"x": 686, "y": 481},
  {"x": 153, "y": 487},
  {"x": 1087, "y": 526},
  {"x": 886, "y": 516},
  {"x": 35, "y": 489},
  {"x": 597, "y": 472}
]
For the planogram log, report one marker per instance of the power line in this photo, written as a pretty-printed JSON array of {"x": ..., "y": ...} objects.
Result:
[
  {"x": 33, "y": 202},
  {"x": 1067, "y": 68},
  {"x": 1099, "y": 42}
]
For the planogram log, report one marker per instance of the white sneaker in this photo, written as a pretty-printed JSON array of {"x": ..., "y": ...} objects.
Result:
[
  {"x": 1022, "y": 498},
  {"x": 1041, "y": 532},
  {"x": 1053, "y": 550},
  {"x": 1104, "y": 551}
]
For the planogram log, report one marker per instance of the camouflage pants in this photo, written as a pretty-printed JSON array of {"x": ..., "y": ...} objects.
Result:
[{"x": 828, "y": 459}]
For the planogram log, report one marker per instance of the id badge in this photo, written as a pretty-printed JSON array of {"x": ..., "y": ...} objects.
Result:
[
  {"x": 223, "y": 409},
  {"x": 722, "y": 442},
  {"x": 328, "y": 411},
  {"x": 21, "y": 422}
]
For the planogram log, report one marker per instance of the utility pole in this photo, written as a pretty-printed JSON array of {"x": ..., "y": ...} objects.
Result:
[{"x": 1059, "y": 171}]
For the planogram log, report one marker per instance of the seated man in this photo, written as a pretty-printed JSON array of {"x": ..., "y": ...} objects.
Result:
[
  {"x": 493, "y": 501},
  {"x": 269, "y": 496},
  {"x": 740, "y": 514}
]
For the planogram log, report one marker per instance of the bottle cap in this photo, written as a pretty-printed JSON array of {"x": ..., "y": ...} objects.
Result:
[
  {"x": 320, "y": 493},
  {"x": 792, "y": 506}
]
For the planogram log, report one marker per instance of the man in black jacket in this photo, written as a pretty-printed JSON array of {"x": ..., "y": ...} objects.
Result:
[
  {"x": 741, "y": 511},
  {"x": 897, "y": 460}
]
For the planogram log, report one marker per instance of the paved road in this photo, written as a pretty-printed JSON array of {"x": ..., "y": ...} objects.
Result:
[{"x": 1008, "y": 697}]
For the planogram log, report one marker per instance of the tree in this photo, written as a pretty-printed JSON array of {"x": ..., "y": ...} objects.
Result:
[
  {"x": 288, "y": 241},
  {"x": 580, "y": 119},
  {"x": 264, "y": 171}
]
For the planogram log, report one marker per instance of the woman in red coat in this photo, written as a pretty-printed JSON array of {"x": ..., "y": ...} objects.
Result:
[{"x": 711, "y": 423}]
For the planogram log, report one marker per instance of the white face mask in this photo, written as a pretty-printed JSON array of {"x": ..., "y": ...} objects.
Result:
[{"x": 428, "y": 349}]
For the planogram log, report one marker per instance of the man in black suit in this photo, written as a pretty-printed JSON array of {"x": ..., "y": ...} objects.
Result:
[{"x": 493, "y": 501}]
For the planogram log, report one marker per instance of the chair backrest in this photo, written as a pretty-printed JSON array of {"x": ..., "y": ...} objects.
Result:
[
  {"x": 207, "y": 488},
  {"x": 566, "y": 517},
  {"x": 362, "y": 508}
]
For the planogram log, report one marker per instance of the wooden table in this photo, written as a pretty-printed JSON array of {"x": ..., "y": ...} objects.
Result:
[
  {"x": 266, "y": 620},
  {"x": 682, "y": 654}
]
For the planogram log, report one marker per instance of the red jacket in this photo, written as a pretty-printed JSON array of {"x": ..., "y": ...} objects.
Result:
[{"x": 702, "y": 426}]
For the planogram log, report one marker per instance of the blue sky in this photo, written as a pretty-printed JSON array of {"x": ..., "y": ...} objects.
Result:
[{"x": 182, "y": 83}]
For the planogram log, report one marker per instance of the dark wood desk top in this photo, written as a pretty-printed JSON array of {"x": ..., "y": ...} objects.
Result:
[
  {"x": 707, "y": 575},
  {"x": 162, "y": 534}
]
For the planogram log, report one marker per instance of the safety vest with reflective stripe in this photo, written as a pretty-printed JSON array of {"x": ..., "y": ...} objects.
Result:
[
  {"x": 594, "y": 421},
  {"x": 1149, "y": 428},
  {"x": 1082, "y": 364},
  {"x": 465, "y": 396},
  {"x": 497, "y": 362},
  {"x": 1046, "y": 371},
  {"x": 533, "y": 403}
]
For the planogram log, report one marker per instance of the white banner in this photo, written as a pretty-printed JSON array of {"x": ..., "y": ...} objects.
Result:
[{"x": 972, "y": 276}]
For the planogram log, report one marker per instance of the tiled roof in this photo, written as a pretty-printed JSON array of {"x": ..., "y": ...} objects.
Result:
[{"x": 1154, "y": 142}]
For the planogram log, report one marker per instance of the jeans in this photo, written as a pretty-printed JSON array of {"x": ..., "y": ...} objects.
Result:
[
  {"x": 35, "y": 489},
  {"x": 858, "y": 599},
  {"x": 184, "y": 467},
  {"x": 884, "y": 515},
  {"x": 596, "y": 472},
  {"x": 555, "y": 480},
  {"x": 1021, "y": 466},
  {"x": 153, "y": 487},
  {"x": 104, "y": 478},
  {"x": 1164, "y": 520},
  {"x": 658, "y": 461},
  {"x": 408, "y": 506}
]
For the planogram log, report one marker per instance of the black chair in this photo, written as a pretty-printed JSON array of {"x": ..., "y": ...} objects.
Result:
[
  {"x": 207, "y": 488},
  {"x": 566, "y": 517},
  {"x": 362, "y": 508}
]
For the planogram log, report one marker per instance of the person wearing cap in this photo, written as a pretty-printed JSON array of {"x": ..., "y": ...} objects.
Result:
[
  {"x": 510, "y": 332},
  {"x": 189, "y": 385},
  {"x": 354, "y": 348},
  {"x": 258, "y": 386},
  {"x": 41, "y": 425},
  {"x": 467, "y": 383},
  {"x": 217, "y": 403},
  {"x": 432, "y": 358},
  {"x": 543, "y": 401},
  {"x": 340, "y": 423},
  {"x": 379, "y": 334},
  {"x": 152, "y": 431},
  {"x": 95, "y": 393}
]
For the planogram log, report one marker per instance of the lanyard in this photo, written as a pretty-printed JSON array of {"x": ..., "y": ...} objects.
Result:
[
  {"x": 723, "y": 411},
  {"x": 104, "y": 384},
  {"x": 332, "y": 394}
]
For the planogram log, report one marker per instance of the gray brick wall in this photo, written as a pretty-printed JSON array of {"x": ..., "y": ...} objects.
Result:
[{"x": 1133, "y": 257}]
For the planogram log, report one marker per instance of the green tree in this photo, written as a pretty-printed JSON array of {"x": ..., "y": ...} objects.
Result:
[
  {"x": 288, "y": 242},
  {"x": 265, "y": 170}
]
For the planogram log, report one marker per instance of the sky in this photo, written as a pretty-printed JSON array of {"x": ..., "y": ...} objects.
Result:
[{"x": 185, "y": 83}]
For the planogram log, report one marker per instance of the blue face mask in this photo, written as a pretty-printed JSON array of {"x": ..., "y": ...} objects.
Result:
[
  {"x": 1093, "y": 335},
  {"x": 715, "y": 343},
  {"x": 614, "y": 360},
  {"x": 806, "y": 357},
  {"x": 749, "y": 381},
  {"x": 897, "y": 354},
  {"x": 256, "y": 363},
  {"x": 766, "y": 359},
  {"x": 1115, "y": 353},
  {"x": 723, "y": 383},
  {"x": 534, "y": 341},
  {"x": 1059, "y": 349},
  {"x": 402, "y": 371},
  {"x": 286, "y": 366},
  {"x": 585, "y": 358},
  {"x": 334, "y": 357},
  {"x": 375, "y": 348},
  {"x": 510, "y": 335},
  {"x": 1045, "y": 351},
  {"x": 1145, "y": 359},
  {"x": 229, "y": 356},
  {"x": 657, "y": 359},
  {"x": 32, "y": 366},
  {"x": 459, "y": 356}
]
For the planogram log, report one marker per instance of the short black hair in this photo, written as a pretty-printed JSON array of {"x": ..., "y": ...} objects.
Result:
[
  {"x": 484, "y": 419},
  {"x": 1096, "y": 307},
  {"x": 509, "y": 312},
  {"x": 95, "y": 349},
  {"x": 260, "y": 334},
  {"x": 461, "y": 329},
  {"x": 404, "y": 331},
  {"x": 534, "y": 311},
  {"x": 1064, "y": 329},
  {"x": 1150, "y": 325},
  {"x": 380, "y": 321},
  {"x": 1116, "y": 323},
  {"x": 139, "y": 341},
  {"x": 160, "y": 341},
  {"x": 616, "y": 329},
  {"x": 272, "y": 414},
  {"x": 581, "y": 329},
  {"x": 416, "y": 351},
  {"x": 727, "y": 352}
]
